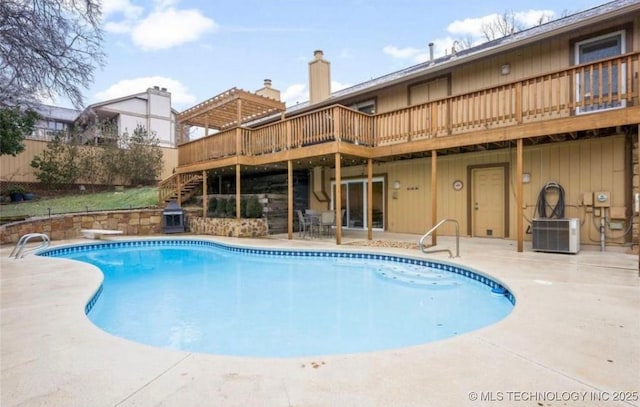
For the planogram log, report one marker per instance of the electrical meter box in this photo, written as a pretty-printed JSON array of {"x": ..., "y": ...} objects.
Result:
[{"x": 601, "y": 199}]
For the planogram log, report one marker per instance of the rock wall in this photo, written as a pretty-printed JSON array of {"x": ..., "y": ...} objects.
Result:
[
  {"x": 59, "y": 227},
  {"x": 132, "y": 223},
  {"x": 227, "y": 227}
]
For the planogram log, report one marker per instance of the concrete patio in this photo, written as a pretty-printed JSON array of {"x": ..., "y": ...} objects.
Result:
[{"x": 573, "y": 339}]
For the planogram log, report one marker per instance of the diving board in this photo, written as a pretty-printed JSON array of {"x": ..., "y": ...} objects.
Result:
[{"x": 99, "y": 233}]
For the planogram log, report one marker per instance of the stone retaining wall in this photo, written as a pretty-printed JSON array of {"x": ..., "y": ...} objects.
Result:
[
  {"x": 59, "y": 227},
  {"x": 133, "y": 223}
]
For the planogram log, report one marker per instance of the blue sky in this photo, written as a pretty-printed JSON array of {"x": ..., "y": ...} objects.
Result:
[{"x": 200, "y": 48}]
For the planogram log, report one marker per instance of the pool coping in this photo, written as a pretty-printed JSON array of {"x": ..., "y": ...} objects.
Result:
[{"x": 572, "y": 333}]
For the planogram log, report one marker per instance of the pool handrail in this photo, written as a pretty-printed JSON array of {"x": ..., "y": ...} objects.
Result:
[
  {"x": 18, "y": 251},
  {"x": 443, "y": 221}
]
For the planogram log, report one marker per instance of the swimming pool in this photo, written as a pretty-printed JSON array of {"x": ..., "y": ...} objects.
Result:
[{"x": 203, "y": 296}]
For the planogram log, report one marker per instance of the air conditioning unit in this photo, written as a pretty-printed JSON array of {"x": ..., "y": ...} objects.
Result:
[{"x": 556, "y": 235}]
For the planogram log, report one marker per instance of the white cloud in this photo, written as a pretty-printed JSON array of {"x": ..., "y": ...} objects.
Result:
[
  {"x": 180, "y": 95},
  {"x": 468, "y": 29},
  {"x": 470, "y": 26},
  {"x": 473, "y": 26},
  {"x": 534, "y": 17},
  {"x": 168, "y": 28},
  {"x": 295, "y": 93},
  {"x": 164, "y": 27},
  {"x": 336, "y": 86}
]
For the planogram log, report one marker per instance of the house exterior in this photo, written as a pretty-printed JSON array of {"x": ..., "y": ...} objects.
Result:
[
  {"x": 540, "y": 124},
  {"x": 150, "y": 109},
  {"x": 100, "y": 121},
  {"x": 53, "y": 119}
]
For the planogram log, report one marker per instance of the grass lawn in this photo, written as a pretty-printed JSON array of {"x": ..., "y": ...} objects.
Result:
[{"x": 142, "y": 197}]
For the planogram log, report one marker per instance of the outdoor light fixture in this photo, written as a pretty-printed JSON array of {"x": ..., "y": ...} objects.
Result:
[
  {"x": 396, "y": 184},
  {"x": 505, "y": 69}
]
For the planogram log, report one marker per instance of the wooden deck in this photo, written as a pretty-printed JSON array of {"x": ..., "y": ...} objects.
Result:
[{"x": 544, "y": 105}]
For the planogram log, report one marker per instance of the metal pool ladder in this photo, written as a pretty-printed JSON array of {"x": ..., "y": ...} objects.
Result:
[
  {"x": 430, "y": 232},
  {"x": 18, "y": 251}
]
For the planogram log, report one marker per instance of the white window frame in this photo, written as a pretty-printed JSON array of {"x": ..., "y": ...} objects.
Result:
[{"x": 622, "y": 73}]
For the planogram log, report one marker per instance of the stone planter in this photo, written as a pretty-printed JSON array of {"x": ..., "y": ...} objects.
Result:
[{"x": 228, "y": 227}]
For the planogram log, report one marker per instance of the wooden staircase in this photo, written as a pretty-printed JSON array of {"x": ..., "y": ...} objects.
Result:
[{"x": 189, "y": 185}]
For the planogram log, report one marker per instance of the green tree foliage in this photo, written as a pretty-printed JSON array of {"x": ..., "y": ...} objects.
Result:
[
  {"x": 135, "y": 160},
  {"x": 142, "y": 157},
  {"x": 59, "y": 162},
  {"x": 15, "y": 124},
  {"x": 254, "y": 207},
  {"x": 230, "y": 209},
  {"x": 221, "y": 208}
]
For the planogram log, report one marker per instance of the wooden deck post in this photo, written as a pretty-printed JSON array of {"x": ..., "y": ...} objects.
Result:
[
  {"x": 434, "y": 195},
  {"x": 238, "y": 191},
  {"x": 370, "y": 199},
  {"x": 338, "y": 201},
  {"x": 205, "y": 200},
  {"x": 519, "y": 197},
  {"x": 289, "y": 200}
]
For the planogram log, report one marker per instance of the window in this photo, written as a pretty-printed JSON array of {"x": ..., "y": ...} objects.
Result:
[
  {"x": 367, "y": 106},
  {"x": 599, "y": 88}
]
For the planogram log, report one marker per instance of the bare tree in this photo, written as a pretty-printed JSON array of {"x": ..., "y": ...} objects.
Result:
[
  {"x": 462, "y": 43},
  {"x": 504, "y": 24},
  {"x": 48, "y": 48}
]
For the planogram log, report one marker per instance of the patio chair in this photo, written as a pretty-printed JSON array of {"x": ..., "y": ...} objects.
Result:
[
  {"x": 327, "y": 221},
  {"x": 302, "y": 231}
]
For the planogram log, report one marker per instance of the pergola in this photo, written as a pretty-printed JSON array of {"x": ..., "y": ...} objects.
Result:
[{"x": 233, "y": 107}]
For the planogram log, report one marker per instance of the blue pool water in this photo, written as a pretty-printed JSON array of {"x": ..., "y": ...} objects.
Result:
[{"x": 205, "y": 297}]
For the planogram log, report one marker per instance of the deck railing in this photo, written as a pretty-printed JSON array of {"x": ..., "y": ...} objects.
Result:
[
  {"x": 169, "y": 187},
  {"x": 606, "y": 84}
]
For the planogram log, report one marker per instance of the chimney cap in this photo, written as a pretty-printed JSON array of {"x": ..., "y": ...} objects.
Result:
[
  {"x": 267, "y": 83},
  {"x": 318, "y": 54}
]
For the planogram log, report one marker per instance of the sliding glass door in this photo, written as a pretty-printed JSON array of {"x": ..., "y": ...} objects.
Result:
[{"x": 354, "y": 202}]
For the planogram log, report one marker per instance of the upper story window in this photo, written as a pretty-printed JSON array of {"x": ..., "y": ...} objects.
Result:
[
  {"x": 367, "y": 106},
  {"x": 599, "y": 88}
]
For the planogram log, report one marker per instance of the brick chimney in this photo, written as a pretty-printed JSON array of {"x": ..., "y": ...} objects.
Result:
[
  {"x": 268, "y": 91},
  {"x": 319, "y": 78}
]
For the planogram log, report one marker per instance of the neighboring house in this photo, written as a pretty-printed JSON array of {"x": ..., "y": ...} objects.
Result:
[
  {"x": 98, "y": 123},
  {"x": 492, "y": 136},
  {"x": 150, "y": 109},
  {"x": 53, "y": 119}
]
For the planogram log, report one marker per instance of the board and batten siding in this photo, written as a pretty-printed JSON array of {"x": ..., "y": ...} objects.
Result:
[{"x": 580, "y": 166}]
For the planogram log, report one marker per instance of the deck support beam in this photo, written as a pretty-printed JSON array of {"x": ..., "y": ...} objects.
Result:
[
  {"x": 205, "y": 200},
  {"x": 434, "y": 195},
  {"x": 369, "y": 199},
  {"x": 238, "y": 191},
  {"x": 519, "y": 197},
  {"x": 338, "y": 201},
  {"x": 289, "y": 200}
]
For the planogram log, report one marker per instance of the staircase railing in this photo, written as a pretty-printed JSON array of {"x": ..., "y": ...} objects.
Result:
[
  {"x": 18, "y": 251},
  {"x": 168, "y": 188},
  {"x": 433, "y": 229}
]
